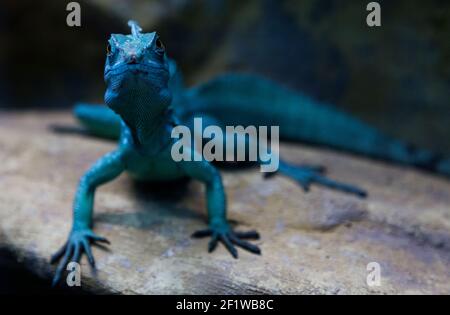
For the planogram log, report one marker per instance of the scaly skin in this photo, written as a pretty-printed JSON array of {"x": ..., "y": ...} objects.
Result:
[
  {"x": 137, "y": 78},
  {"x": 146, "y": 99}
]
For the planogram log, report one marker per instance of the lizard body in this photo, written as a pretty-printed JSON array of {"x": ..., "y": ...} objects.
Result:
[{"x": 146, "y": 98}]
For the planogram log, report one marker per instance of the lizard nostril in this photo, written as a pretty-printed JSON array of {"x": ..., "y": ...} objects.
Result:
[{"x": 132, "y": 59}]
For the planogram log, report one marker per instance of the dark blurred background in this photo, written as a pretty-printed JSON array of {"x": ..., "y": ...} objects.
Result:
[{"x": 396, "y": 77}]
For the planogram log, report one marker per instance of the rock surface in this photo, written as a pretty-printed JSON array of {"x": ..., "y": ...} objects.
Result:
[{"x": 319, "y": 242}]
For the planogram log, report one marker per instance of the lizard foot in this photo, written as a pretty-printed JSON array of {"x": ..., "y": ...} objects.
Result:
[
  {"x": 307, "y": 175},
  {"x": 79, "y": 241},
  {"x": 224, "y": 234}
]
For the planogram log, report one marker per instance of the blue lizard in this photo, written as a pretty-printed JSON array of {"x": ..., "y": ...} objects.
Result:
[{"x": 146, "y": 98}]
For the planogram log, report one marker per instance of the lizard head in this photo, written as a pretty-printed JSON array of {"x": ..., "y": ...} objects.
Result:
[{"x": 136, "y": 74}]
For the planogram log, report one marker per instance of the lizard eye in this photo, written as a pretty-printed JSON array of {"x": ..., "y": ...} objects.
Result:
[
  {"x": 108, "y": 50},
  {"x": 159, "y": 46}
]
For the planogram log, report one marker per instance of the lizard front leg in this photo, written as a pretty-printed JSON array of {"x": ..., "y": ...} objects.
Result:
[
  {"x": 219, "y": 229},
  {"x": 104, "y": 170}
]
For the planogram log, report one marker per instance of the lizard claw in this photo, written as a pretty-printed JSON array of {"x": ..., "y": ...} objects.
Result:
[
  {"x": 78, "y": 242},
  {"x": 229, "y": 238}
]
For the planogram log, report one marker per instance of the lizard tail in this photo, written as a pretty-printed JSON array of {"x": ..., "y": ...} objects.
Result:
[
  {"x": 251, "y": 100},
  {"x": 99, "y": 120}
]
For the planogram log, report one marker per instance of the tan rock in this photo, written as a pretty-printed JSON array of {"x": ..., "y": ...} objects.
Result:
[{"x": 319, "y": 242}]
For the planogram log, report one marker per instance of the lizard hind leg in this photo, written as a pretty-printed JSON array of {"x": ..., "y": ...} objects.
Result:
[{"x": 306, "y": 175}]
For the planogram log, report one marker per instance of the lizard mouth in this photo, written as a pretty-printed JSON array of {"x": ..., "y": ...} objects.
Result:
[{"x": 147, "y": 69}]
